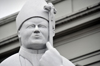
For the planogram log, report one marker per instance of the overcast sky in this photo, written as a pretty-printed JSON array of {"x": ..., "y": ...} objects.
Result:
[{"x": 8, "y": 7}]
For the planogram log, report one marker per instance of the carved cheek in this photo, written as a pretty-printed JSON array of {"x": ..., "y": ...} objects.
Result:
[{"x": 45, "y": 33}]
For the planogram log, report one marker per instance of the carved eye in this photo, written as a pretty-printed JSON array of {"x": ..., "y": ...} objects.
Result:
[
  {"x": 41, "y": 26},
  {"x": 31, "y": 26}
]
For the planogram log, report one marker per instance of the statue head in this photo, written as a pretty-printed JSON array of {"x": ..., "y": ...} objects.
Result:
[{"x": 33, "y": 24}]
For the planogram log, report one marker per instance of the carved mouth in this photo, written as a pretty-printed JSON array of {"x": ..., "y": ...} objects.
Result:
[{"x": 37, "y": 36}]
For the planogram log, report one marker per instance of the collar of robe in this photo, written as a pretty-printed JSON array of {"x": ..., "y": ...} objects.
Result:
[{"x": 28, "y": 54}]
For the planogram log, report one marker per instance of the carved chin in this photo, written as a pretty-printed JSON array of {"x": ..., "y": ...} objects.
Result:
[
  {"x": 36, "y": 45},
  {"x": 38, "y": 41}
]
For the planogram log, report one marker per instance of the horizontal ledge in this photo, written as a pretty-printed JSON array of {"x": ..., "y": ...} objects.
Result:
[
  {"x": 8, "y": 39},
  {"x": 72, "y": 16},
  {"x": 92, "y": 63},
  {"x": 85, "y": 56},
  {"x": 77, "y": 28}
]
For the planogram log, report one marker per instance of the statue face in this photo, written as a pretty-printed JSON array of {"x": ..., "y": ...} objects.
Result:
[{"x": 34, "y": 33}]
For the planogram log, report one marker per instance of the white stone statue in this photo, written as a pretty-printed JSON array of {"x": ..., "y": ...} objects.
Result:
[{"x": 36, "y": 28}]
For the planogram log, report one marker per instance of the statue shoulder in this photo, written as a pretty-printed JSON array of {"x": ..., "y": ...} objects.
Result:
[
  {"x": 67, "y": 62},
  {"x": 11, "y": 61}
]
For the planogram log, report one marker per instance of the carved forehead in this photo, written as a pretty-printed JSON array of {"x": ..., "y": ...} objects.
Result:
[{"x": 38, "y": 17}]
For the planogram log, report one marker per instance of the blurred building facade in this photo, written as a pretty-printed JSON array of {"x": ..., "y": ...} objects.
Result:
[{"x": 77, "y": 32}]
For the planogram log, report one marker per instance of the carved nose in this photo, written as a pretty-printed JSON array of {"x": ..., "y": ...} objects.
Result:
[{"x": 36, "y": 31}]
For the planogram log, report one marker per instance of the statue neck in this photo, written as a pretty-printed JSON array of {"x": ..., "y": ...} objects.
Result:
[{"x": 32, "y": 51}]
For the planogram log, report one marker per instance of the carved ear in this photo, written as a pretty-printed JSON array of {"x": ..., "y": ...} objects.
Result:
[{"x": 19, "y": 34}]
